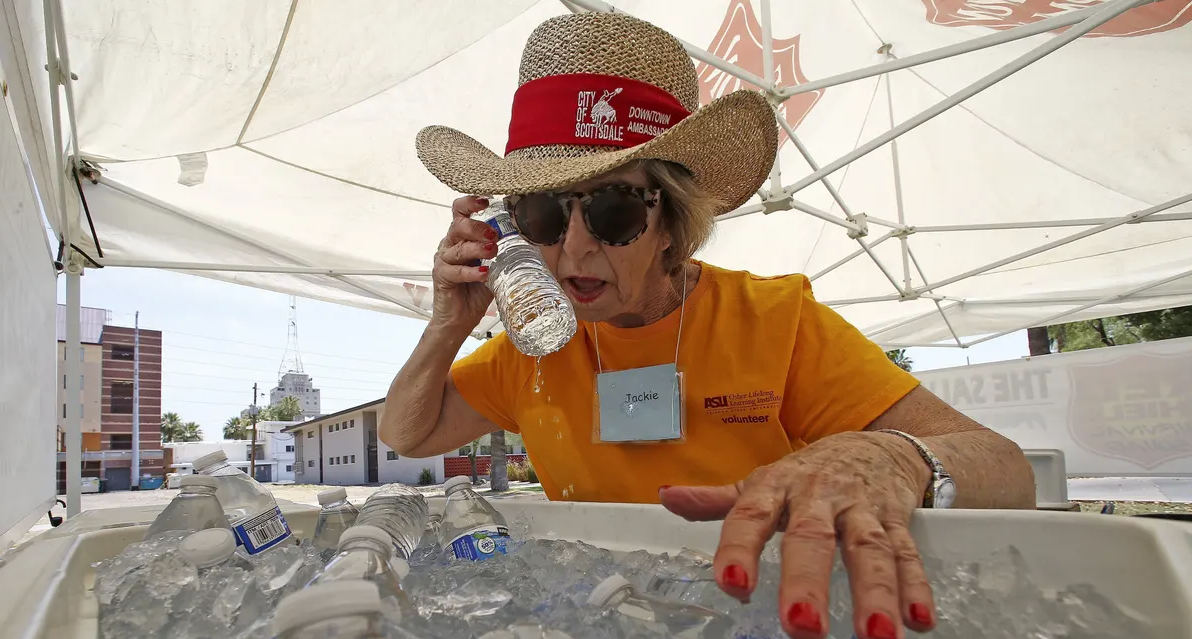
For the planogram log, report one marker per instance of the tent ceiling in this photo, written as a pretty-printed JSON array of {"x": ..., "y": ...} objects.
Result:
[{"x": 279, "y": 135}]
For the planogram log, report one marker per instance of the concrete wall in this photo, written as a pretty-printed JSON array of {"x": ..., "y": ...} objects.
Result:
[
  {"x": 307, "y": 441},
  {"x": 92, "y": 386},
  {"x": 406, "y": 470}
]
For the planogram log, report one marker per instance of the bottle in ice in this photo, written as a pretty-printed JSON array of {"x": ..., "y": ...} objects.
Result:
[
  {"x": 430, "y": 536},
  {"x": 366, "y": 552},
  {"x": 337, "y": 515},
  {"x": 400, "y": 511},
  {"x": 341, "y": 609},
  {"x": 251, "y": 509},
  {"x": 195, "y": 508},
  {"x": 211, "y": 548},
  {"x": 618, "y": 596},
  {"x": 471, "y": 527},
  {"x": 537, "y": 315}
]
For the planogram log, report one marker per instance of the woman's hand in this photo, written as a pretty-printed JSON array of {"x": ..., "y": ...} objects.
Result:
[
  {"x": 460, "y": 295},
  {"x": 858, "y": 488}
]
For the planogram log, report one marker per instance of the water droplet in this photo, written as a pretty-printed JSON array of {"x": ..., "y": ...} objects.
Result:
[
  {"x": 559, "y": 435},
  {"x": 537, "y": 374},
  {"x": 555, "y": 419},
  {"x": 627, "y": 408}
]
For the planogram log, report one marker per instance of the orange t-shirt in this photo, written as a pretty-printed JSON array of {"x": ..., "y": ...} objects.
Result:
[{"x": 767, "y": 370}]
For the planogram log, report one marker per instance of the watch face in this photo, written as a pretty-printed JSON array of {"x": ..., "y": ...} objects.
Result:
[{"x": 945, "y": 493}]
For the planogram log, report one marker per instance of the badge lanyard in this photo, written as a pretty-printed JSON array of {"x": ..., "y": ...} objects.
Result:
[{"x": 640, "y": 404}]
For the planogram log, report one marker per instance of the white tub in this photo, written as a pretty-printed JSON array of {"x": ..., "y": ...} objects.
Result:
[{"x": 1145, "y": 565}]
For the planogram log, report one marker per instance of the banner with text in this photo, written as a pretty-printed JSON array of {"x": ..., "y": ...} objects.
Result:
[{"x": 1119, "y": 411}]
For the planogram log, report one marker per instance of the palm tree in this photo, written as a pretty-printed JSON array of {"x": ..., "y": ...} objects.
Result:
[
  {"x": 235, "y": 428},
  {"x": 286, "y": 410},
  {"x": 901, "y": 359},
  {"x": 173, "y": 430}
]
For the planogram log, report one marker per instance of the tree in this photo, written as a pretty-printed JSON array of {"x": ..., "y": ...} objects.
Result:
[
  {"x": 498, "y": 470},
  {"x": 286, "y": 410},
  {"x": 235, "y": 428},
  {"x": 472, "y": 448},
  {"x": 173, "y": 430},
  {"x": 900, "y": 359},
  {"x": 1123, "y": 329},
  {"x": 1038, "y": 341}
]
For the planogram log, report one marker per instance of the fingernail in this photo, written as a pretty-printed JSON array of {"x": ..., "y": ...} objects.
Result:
[
  {"x": 880, "y": 627},
  {"x": 483, "y": 269},
  {"x": 735, "y": 577},
  {"x": 921, "y": 614},
  {"x": 482, "y": 201},
  {"x": 803, "y": 616},
  {"x": 490, "y": 233},
  {"x": 491, "y": 246}
]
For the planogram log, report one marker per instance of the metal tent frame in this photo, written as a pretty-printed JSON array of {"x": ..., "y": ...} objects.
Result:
[{"x": 776, "y": 196}]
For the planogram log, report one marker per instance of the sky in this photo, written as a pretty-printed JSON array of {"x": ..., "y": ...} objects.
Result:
[{"x": 219, "y": 338}]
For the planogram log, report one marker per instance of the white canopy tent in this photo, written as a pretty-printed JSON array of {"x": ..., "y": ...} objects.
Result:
[{"x": 951, "y": 170}]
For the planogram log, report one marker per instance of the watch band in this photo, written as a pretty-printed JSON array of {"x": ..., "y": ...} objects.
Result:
[{"x": 942, "y": 490}]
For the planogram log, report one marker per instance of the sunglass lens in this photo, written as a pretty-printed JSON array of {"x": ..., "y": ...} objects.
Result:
[
  {"x": 617, "y": 217},
  {"x": 540, "y": 218}
]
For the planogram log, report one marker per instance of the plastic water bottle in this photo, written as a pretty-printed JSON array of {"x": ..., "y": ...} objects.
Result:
[
  {"x": 618, "y": 596},
  {"x": 195, "y": 508},
  {"x": 688, "y": 578},
  {"x": 400, "y": 511},
  {"x": 338, "y": 514},
  {"x": 341, "y": 609},
  {"x": 366, "y": 552},
  {"x": 250, "y": 508},
  {"x": 430, "y": 537},
  {"x": 210, "y": 549},
  {"x": 471, "y": 527},
  {"x": 536, "y": 314}
]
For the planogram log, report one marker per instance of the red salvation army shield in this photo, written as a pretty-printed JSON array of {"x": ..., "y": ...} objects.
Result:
[
  {"x": 739, "y": 41},
  {"x": 1005, "y": 14},
  {"x": 1138, "y": 409}
]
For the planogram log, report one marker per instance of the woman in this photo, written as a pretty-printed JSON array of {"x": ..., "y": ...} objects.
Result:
[{"x": 766, "y": 409}]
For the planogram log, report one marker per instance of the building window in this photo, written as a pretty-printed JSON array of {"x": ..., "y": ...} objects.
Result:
[
  {"x": 328, "y": 428},
  {"x": 485, "y": 450},
  {"x": 465, "y": 451},
  {"x": 390, "y": 455},
  {"x": 120, "y": 351},
  {"x": 310, "y": 463},
  {"x": 289, "y": 468},
  {"x": 330, "y": 461},
  {"x": 310, "y": 434},
  {"x": 64, "y": 411},
  {"x": 289, "y": 449},
  {"x": 353, "y": 422},
  {"x": 122, "y": 398},
  {"x": 353, "y": 459},
  {"x": 120, "y": 442}
]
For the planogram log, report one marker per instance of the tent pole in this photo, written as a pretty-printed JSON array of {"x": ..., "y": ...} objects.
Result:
[
  {"x": 1125, "y": 219},
  {"x": 55, "y": 73},
  {"x": 261, "y": 268},
  {"x": 909, "y": 320},
  {"x": 882, "y": 267},
  {"x": 73, "y": 396},
  {"x": 851, "y": 256},
  {"x": 768, "y": 76},
  {"x": 790, "y": 132},
  {"x": 960, "y": 48},
  {"x": 1105, "y": 13},
  {"x": 944, "y": 316},
  {"x": 1048, "y": 224},
  {"x": 902, "y": 237},
  {"x": 67, "y": 77}
]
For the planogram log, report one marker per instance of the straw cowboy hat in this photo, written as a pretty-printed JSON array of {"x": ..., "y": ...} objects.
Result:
[{"x": 598, "y": 90}]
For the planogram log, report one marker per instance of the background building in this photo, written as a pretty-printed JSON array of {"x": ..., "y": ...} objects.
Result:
[
  {"x": 109, "y": 354},
  {"x": 300, "y": 386},
  {"x": 275, "y": 453},
  {"x": 343, "y": 449}
]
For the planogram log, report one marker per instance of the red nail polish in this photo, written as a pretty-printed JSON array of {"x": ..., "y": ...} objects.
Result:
[
  {"x": 921, "y": 614},
  {"x": 802, "y": 616},
  {"x": 491, "y": 246},
  {"x": 490, "y": 234},
  {"x": 735, "y": 577},
  {"x": 880, "y": 627},
  {"x": 483, "y": 269}
]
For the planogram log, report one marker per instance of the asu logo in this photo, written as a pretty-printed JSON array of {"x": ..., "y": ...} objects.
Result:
[
  {"x": 1138, "y": 409},
  {"x": 739, "y": 41},
  {"x": 1155, "y": 17},
  {"x": 719, "y": 401}
]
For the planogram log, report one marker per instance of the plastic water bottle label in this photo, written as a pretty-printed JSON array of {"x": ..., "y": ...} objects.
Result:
[
  {"x": 262, "y": 532},
  {"x": 481, "y": 542},
  {"x": 503, "y": 225}
]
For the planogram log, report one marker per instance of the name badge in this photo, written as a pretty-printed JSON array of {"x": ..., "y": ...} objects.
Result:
[{"x": 639, "y": 405}]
